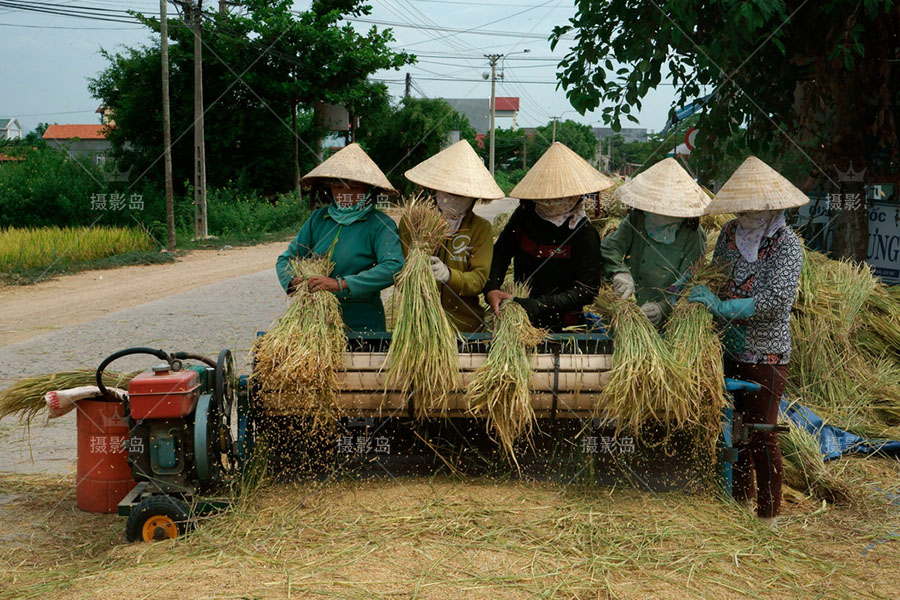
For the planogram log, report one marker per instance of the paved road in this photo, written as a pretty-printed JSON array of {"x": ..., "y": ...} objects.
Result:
[
  {"x": 226, "y": 314},
  {"x": 221, "y": 315}
]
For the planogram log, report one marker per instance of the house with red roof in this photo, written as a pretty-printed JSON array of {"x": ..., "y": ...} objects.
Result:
[{"x": 82, "y": 140}]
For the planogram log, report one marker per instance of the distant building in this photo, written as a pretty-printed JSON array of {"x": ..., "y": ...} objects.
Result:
[
  {"x": 80, "y": 140},
  {"x": 10, "y": 129},
  {"x": 631, "y": 134},
  {"x": 83, "y": 141},
  {"x": 478, "y": 111}
]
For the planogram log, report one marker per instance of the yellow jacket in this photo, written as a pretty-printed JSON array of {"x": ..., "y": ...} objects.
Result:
[{"x": 468, "y": 255}]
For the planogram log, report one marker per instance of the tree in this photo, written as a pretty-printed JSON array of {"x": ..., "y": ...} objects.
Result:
[
  {"x": 814, "y": 78},
  {"x": 509, "y": 145},
  {"x": 398, "y": 138},
  {"x": 264, "y": 69},
  {"x": 577, "y": 136}
]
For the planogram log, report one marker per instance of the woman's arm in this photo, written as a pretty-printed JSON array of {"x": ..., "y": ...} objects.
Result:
[
  {"x": 300, "y": 247},
  {"x": 502, "y": 254},
  {"x": 616, "y": 246},
  {"x": 388, "y": 261}
]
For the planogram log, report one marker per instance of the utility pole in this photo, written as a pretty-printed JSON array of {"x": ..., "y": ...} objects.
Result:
[
  {"x": 200, "y": 224},
  {"x": 223, "y": 7},
  {"x": 167, "y": 125},
  {"x": 555, "y": 119},
  {"x": 408, "y": 86},
  {"x": 492, "y": 59},
  {"x": 525, "y": 153}
]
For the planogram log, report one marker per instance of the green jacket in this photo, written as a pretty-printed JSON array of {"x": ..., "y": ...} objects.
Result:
[
  {"x": 468, "y": 255},
  {"x": 367, "y": 254},
  {"x": 654, "y": 266}
]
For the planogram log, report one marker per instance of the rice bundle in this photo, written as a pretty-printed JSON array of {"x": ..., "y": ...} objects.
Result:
[
  {"x": 647, "y": 383},
  {"x": 423, "y": 359},
  {"x": 845, "y": 362},
  {"x": 805, "y": 470},
  {"x": 297, "y": 361},
  {"x": 500, "y": 389},
  {"x": 691, "y": 337},
  {"x": 25, "y": 397}
]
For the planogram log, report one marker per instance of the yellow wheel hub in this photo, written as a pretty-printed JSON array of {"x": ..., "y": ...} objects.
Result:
[{"x": 159, "y": 527}]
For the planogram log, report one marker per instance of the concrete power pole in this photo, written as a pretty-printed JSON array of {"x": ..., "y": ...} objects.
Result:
[
  {"x": 492, "y": 59},
  {"x": 167, "y": 126},
  {"x": 408, "y": 89},
  {"x": 200, "y": 223}
]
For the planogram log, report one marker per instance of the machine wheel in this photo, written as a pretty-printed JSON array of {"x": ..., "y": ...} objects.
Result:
[{"x": 157, "y": 517}]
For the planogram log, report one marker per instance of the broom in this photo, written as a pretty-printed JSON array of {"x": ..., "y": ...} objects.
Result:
[
  {"x": 297, "y": 361},
  {"x": 423, "y": 358},
  {"x": 646, "y": 383},
  {"x": 25, "y": 397},
  {"x": 500, "y": 388}
]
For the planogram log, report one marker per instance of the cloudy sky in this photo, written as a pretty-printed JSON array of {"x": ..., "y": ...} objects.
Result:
[{"x": 49, "y": 57}]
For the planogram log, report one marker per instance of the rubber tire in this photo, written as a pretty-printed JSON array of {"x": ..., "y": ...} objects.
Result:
[{"x": 158, "y": 504}]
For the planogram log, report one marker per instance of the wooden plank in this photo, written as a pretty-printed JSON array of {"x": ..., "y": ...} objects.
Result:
[
  {"x": 588, "y": 381},
  {"x": 374, "y": 361}
]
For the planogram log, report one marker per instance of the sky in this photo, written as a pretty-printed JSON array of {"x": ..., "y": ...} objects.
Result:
[{"x": 49, "y": 58}]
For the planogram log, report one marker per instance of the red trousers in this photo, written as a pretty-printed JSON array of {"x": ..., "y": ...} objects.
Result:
[{"x": 761, "y": 453}]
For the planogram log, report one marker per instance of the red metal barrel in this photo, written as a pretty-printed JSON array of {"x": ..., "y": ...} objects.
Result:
[{"x": 104, "y": 477}]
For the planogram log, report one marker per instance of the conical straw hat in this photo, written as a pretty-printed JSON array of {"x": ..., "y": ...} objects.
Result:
[
  {"x": 456, "y": 170},
  {"x": 755, "y": 186},
  {"x": 664, "y": 189},
  {"x": 560, "y": 173},
  {"x": 350, "y": 163}
]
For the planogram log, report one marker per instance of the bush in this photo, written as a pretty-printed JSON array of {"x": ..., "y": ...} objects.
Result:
[
  {"x": 47, "y": 188},
  {"x": 246, "y": 216},
  {"x": 507, "y": 180}
]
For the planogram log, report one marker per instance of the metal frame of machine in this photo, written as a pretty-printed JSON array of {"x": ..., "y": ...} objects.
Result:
[{"x": 193, "y": 453}]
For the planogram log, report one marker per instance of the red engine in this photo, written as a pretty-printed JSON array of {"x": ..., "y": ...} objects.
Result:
[{"x": 163, "y": 393}]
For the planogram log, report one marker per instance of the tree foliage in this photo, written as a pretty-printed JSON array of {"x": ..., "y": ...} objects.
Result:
[
  {"x": 261, "y": 63},
  {"x": 398, "y": 137},
  {"x": 814, "y": 78}
]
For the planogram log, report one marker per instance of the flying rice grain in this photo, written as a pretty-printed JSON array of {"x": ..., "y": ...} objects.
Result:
[
  {"x": 423, "y": 358},
  {"x": 500, "y": 389}
]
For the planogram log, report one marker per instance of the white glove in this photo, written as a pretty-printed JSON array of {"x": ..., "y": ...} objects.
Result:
[
  {"x": 440, "y": 271},
  {"x": 653, "y": 311},
  {"x": 623, "y": 284}
]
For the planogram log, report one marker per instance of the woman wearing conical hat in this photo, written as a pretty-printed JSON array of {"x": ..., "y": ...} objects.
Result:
[
  {"x": 550, "y": 242},
  {"x": 458, "y": 178},
  {"x": 762, "y": 257},
  {"x": 362, "y": 242},
  {"x": 659, "y": 239}
]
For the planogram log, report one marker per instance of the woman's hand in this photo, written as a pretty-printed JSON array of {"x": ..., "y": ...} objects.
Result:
[
  {"x": 323, "y": 284},
  {"x": 494, "y": 297},
  {"x": 293, "y": 285}
]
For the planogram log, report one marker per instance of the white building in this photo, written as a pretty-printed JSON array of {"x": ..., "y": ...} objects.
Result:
[{"x": 10, "y": 129}]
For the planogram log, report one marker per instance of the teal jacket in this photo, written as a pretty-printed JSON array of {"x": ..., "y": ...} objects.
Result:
[
  {"x": 654, "y": 266},
  {"x": 367, "y": 254}
]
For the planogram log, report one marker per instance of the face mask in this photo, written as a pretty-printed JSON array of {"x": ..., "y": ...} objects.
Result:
[
  {"x": 453, "y": 208},
  {"x": 752, "y": 227},
  {"x": 559, "y": 210},
  {"x": 660, "y": 228}
]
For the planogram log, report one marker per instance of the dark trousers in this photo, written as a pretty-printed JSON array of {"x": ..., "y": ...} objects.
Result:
[{"x": 761, "y": 452}]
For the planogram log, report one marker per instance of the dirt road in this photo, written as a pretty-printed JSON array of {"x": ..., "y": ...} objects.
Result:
[{"x": 27, "y": 311}]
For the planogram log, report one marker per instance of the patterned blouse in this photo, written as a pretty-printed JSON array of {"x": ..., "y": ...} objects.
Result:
[{"x": 772, "y": 283}]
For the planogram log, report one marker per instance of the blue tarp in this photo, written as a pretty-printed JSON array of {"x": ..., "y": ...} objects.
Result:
[{"x": 834, "y": 442}]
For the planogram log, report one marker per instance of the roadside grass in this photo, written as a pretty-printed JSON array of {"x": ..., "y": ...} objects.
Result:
[{"x": 34, "y": 254}]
